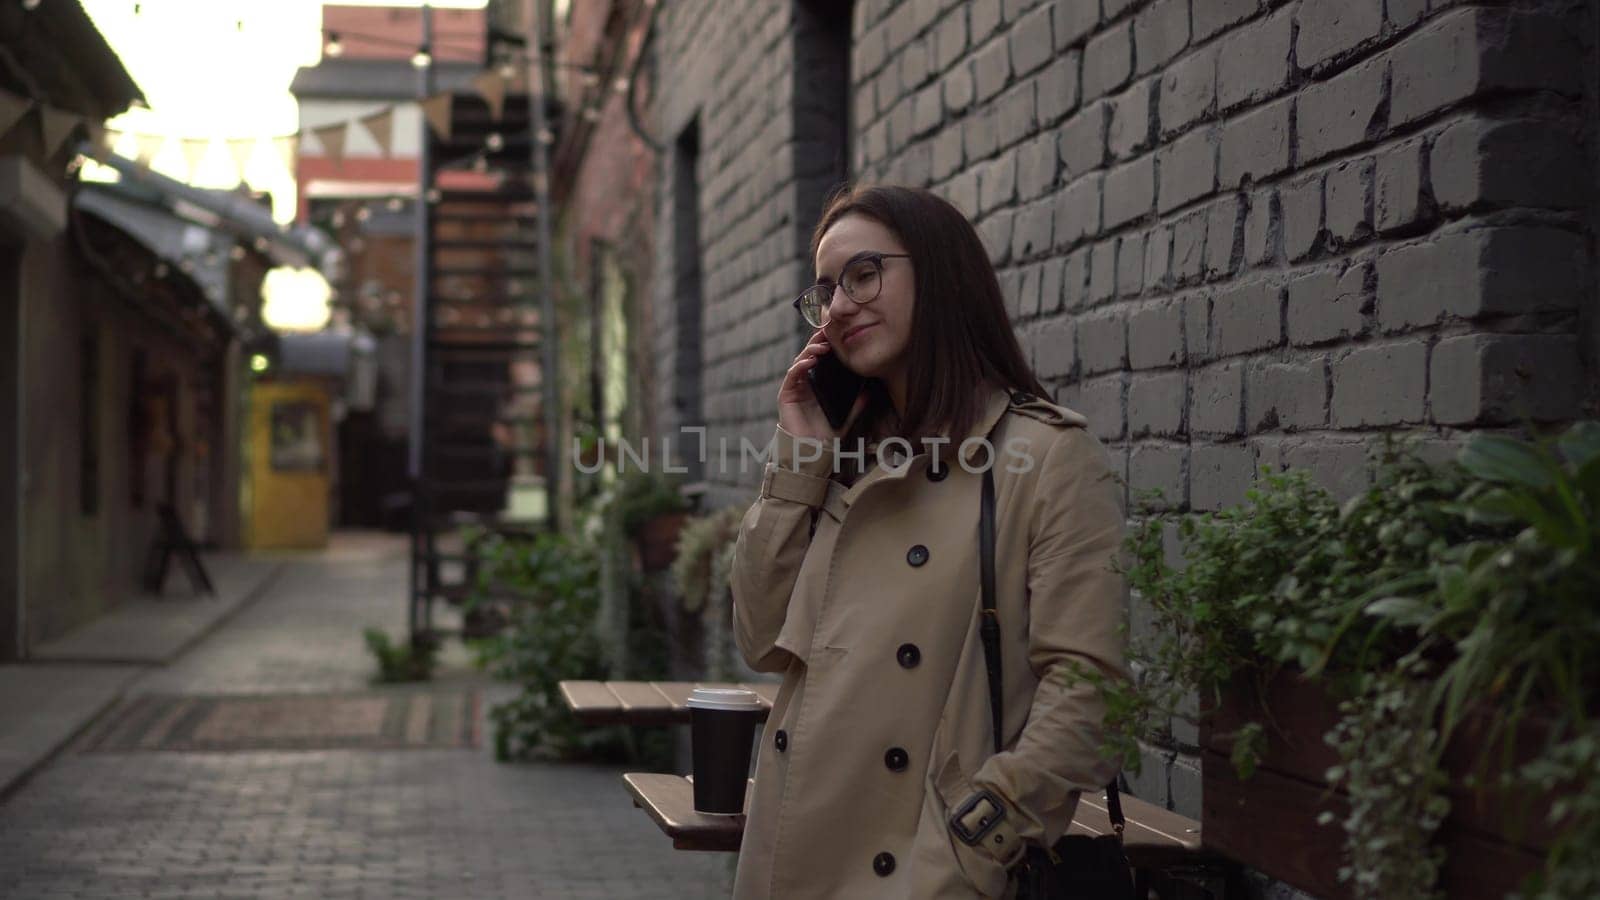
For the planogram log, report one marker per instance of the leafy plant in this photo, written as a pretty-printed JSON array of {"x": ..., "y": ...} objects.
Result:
[
  {"x": 641, "y": 496},
  {"x": 551, "y": 639},
  {"x": 1444, "y": 593},
  {"x": 400, "y": 662},
  {"x": 697, "y": 571}
]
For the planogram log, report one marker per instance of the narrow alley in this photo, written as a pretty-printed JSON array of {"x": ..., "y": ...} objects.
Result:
[{"x": 142, "y": 804}]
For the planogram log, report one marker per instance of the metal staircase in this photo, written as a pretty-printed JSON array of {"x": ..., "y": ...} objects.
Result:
[{"x": 481, "y": 407}]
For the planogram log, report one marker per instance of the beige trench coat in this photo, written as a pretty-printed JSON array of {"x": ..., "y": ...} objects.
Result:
[{"x": 882, "y": 725}]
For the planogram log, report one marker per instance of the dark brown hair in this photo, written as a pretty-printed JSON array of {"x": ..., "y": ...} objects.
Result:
[{"x": 960, "y": 333}]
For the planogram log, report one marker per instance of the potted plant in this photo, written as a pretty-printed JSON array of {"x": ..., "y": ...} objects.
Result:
[
  {"x": 1416, "y": 664},
  {"x": 651, "y": 511},
  {"x": 698, "y": 571}
]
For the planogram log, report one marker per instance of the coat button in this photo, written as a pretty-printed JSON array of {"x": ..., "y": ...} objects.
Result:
[
  {"x": 917, "y": 555},
  {"x": 781, "y": 740},
  {"x": 909, "y": 656},
  {"x": 896, "y": 759},
  {"x": 883, "y": 863},
  {"x": 938, "y": 474}
]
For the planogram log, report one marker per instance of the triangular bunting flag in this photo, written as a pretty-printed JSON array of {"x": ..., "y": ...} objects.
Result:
[
  {"x": 331, "y": 138},
  {"x": 437, "y": 109},
  {"x": 286, "y": 147},
  {"x": 12, "y": 109},
  {"x": 491, "y": 86},
  {"x": 194, "y": 151},
  {"x": 241, "y": 149},
  {"x": 55, "y": 126},
  {"x": 149, "y": 146},
  {"x": 381, "y": 127}
]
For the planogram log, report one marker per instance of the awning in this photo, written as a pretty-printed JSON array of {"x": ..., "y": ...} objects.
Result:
[{"x": 199, "y": 252}]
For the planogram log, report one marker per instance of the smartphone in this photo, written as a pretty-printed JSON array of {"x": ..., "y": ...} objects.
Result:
[{"x": 836, "y": 387}]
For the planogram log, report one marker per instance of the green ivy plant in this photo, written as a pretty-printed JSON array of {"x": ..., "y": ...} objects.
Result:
[
  {"x": 1446, "y": 593},
  {"x": 698, "y": 570},
  {"x": 404, "y": 661},
  {"x": 641, "y": 496},
  {"x": 550, "y": 639}
]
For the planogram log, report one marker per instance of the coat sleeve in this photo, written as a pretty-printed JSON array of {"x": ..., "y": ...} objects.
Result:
[
  {"x": 1077, "y": 613},
  {"x": 772, "y": 544}
]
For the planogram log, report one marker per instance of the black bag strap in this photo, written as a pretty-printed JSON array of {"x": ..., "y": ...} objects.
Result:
[{"x": 989, "y": 630}]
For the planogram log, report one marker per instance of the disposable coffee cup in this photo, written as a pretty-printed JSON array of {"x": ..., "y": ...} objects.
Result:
[{"x": 724, "y": 726}]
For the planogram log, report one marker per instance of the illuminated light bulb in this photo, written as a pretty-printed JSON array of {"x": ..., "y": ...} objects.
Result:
[
  {"x": 494, "y": 141},
  {"x": 423, "y": 58},
  {"x": 334, "y": 47}
]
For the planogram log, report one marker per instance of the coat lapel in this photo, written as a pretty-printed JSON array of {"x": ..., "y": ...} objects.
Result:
[{"x": 993, "y": 408}]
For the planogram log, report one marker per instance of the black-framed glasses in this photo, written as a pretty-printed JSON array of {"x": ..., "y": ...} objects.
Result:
[{"x": 861, "y": 278}]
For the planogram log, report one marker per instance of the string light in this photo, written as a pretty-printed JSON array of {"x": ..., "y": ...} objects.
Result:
[
  {"x": 335, "y": 47},
  {"x": 423, "y": 57}
]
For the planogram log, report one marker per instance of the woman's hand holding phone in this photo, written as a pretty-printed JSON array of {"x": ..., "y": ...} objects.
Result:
[{"x": 799, "y": 413}]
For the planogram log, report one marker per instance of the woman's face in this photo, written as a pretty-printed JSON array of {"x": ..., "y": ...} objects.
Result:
[{"x": 870, "y": 338}]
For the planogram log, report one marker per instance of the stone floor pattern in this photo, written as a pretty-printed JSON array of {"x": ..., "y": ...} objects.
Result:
[{"x": 167, "y": 820}]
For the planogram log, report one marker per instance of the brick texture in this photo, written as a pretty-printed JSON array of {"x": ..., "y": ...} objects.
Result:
[{"x": 1233, "y": 232}]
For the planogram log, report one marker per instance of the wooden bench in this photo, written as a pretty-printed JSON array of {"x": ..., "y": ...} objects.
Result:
[
  {"x": 669, "y": 800},
  {"x": 646, "y": 702},
  {"x": 1154, "y": 838}
]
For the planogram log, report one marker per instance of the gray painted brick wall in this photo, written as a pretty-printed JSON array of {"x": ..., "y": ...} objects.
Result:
[{"x": 1233, "y": 233}]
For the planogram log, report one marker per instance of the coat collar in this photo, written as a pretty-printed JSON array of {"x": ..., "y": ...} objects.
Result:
[{"x": 994, "y": 406}]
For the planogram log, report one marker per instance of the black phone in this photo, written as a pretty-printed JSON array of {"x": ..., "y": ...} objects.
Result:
[{"x": 836, "y": 387}]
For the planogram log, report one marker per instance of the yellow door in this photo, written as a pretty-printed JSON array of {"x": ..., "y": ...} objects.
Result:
[{"x": 289, "y": 465}]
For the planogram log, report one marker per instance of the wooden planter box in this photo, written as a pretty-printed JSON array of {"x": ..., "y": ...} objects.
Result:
[{"x": 1269, "y": 821}]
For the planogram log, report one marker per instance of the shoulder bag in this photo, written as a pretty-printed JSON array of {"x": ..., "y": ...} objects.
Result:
[{"x": 1078, "y": 866}]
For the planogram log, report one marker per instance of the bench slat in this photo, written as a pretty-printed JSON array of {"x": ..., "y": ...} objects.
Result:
[
  {"x": 1154, "y": 837},
  {"x": 591, "y": 701},
  {"x": 642, "y": 703},
  {"x": 677, "y": 693},
  {"x": 767, "y": 690},
  {"x": 1147, "y": 823},
  {"x": 669, "y": 800}
]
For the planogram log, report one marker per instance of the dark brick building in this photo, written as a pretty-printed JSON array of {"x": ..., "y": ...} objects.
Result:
[{"x": 1233, "y": 233}]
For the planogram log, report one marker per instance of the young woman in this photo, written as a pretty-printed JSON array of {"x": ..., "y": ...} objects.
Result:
[{"x": 857, "y": 577}]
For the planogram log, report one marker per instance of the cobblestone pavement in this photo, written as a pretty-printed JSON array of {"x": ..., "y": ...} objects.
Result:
[{"x": 330, "y": 823}]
